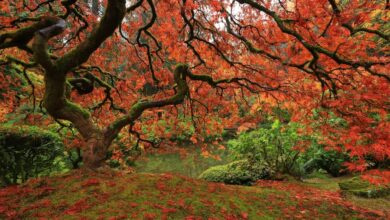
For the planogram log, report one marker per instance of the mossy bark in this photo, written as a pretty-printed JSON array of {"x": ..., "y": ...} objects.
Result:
[
  {"x": 55, "y": 99},
  {"x": 56, "y": 102},
  {"x": 56, "y": 96}
]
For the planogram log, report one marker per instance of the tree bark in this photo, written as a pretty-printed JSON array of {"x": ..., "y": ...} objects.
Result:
[
  {"x": 94, "y": 153},
  {"x": 55, "y": 100}
]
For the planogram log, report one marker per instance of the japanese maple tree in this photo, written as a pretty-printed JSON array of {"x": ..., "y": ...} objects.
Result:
[{"x": 208, "y": 59}]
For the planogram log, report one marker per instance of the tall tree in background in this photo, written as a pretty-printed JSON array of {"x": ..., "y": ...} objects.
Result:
[{"x": 212, "y": 57}]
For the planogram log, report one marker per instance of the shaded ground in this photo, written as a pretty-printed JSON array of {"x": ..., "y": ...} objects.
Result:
[{"x": 77, "y": 195}]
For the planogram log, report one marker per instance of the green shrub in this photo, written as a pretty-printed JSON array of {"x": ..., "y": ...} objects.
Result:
[
  {"x": 375, "y": 163},
  {"x": 272, "y": 147},
  {"x": 318, "y": 156},
  {"x": 238, "y": 172},
  {"x": 27, "y": 151},
  {"x": 329, "y": 160}
]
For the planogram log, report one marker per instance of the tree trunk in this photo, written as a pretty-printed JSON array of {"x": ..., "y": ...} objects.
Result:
[
  {"x": 55, "y": 99},
  {"x": 95, "y": 152}
]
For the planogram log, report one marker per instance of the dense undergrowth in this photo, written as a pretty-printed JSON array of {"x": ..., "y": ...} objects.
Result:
[{"x": 107, "y": 195}]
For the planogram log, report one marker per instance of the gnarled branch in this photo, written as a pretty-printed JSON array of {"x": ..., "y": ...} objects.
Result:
[{"x": 180, "y": 74}]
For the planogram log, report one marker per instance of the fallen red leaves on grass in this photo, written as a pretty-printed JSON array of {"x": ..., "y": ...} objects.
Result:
[
  {"x": 310, "y": 198},
  {"x": 91, "y": 182},
  {"x": 78, "y": 207},
  {"x": 167, "y": 196}
]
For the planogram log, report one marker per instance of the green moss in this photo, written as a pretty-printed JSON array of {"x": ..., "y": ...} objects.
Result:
[
  {"x": 72, "y": 107},
  {"x": 363, "y": 188},
  {"x": 354, "y": 184},
  {"x": 33, "y": 132},
  {"x": 372, "y": 193},
  {"x": 238, "y": 172}
]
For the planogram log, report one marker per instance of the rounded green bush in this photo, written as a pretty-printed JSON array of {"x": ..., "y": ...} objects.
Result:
[{"x": 238, "y": 172}]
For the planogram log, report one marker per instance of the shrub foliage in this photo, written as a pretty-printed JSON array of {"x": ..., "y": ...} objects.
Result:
[{"x": 27, "y": 151}]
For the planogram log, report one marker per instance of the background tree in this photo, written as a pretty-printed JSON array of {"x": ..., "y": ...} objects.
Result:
[{"x": 300, "y": 55}]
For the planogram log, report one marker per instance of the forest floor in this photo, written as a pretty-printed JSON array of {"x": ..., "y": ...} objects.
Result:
[{"x": 119, "y": 195}]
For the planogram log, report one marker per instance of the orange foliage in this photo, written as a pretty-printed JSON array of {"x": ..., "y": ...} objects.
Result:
[{"x": 310, "y": 56}]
